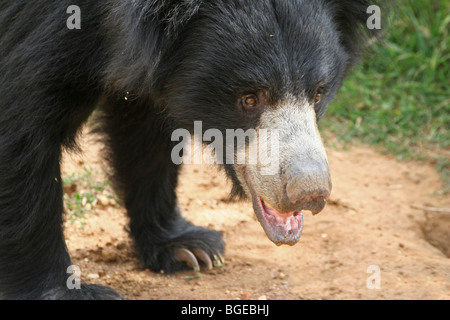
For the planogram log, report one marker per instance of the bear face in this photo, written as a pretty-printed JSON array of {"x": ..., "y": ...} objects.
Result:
[{"x": 276, "y": 66}]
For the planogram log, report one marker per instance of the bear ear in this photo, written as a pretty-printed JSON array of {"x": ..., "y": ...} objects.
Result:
[{"x": 351, "y": 18}]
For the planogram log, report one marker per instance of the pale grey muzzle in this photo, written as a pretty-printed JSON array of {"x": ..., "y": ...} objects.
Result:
[{"x": 302, "y": 180}]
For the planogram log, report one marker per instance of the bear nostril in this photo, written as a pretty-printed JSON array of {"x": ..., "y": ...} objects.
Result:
[
  {"x": 301, "y": 193},
  {"x": 315, "y": 204},
  {"x": 308, "y": 194}
]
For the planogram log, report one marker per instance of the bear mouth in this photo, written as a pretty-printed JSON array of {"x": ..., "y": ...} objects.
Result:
[{"x": 280, "y": 228}]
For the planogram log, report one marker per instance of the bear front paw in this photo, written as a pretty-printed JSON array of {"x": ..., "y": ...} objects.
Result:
[{"x": 194, "y": 248}]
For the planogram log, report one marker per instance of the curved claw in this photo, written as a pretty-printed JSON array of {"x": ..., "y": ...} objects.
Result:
[
  {"x": 188, "y": 257},
  {"x": 221, "y": 258},
  {"x": 203, "y": 256}
]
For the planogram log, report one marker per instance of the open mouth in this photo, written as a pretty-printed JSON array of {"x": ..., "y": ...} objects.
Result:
[{"x": 280, "y": 228}]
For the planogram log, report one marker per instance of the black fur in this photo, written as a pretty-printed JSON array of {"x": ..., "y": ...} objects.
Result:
[{"x": 176, "y": 61}]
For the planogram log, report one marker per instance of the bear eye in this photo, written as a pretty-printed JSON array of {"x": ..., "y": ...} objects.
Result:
[
  {"x": 318, "y": 95},
  {"x": 250, "y": 101}
]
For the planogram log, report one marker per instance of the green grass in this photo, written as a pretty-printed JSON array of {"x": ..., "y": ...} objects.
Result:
[
  {"x": 399, "y": 97},
  {"x": 81, "y": 192}
]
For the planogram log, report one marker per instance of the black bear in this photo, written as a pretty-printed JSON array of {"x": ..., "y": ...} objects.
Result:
[{"x": 150, "y": 67}]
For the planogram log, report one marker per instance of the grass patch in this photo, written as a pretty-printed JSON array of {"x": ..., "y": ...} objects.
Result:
[
  {"x": 398, "y": 98},
  {"x": 83, "y": 192}
]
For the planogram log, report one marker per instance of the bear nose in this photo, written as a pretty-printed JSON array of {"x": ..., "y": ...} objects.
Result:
[{"x": 309, "y": 188}]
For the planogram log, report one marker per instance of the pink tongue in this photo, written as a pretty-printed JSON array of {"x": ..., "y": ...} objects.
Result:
[
  {"x": 283, "y": 224},
  {"x": 272, "y": 211}
]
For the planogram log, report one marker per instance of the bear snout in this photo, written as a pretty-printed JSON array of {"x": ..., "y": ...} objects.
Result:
[{"x": 308, "y": 189}]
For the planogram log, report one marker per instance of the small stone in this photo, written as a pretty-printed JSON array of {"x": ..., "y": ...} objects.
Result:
[
  {"x": 245, "y": 296},
  {"x": 103, "y": 200}
]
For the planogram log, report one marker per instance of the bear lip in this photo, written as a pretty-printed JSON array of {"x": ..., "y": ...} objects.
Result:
[{"x": 280, "y": 228}]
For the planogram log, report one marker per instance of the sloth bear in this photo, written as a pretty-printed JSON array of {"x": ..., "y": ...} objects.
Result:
[{"x": 149, "y": 67}]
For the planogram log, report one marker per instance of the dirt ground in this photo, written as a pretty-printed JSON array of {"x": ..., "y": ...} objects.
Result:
[{"x": 369, "y": 221}]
